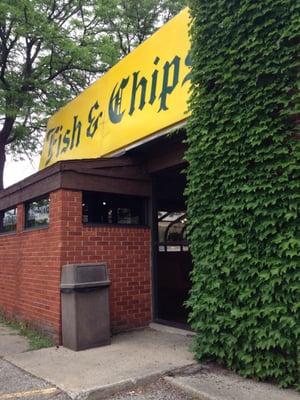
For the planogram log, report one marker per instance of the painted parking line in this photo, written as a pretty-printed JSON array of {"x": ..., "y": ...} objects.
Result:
[{"x": 30, "y": 393}]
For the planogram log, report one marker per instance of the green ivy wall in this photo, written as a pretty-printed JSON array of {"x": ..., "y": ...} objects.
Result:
[{"x": 244, "y": 186}]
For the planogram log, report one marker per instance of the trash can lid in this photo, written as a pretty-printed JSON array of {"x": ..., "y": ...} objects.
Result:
[{"x": 84, "y": 275}]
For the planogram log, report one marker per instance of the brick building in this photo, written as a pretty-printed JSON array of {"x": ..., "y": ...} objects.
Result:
[
  {"x": 33, "y": 250},
  {"x": 124, "y": 206}
]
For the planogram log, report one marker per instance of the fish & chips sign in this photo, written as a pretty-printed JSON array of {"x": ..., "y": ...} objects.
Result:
[{"x": 142, "y": 95}]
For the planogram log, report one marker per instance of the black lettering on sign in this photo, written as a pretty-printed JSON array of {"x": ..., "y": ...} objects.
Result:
[
  {"x": 59, "y": 142},
  {"x": 188, "y": 63},
  {"x": 93, "y": 121},
  {"x": 115, "y": 111},
  {"x": 66, "y": 141},
  {"x": 76, "y": 131},
  {"x": 154, "y": 82},
  {"x": 50, "y": 138},
  {"x": 143, "y": 91},
  {"x": 142, "y": 85},
  {"x": 169, "y": 84}
]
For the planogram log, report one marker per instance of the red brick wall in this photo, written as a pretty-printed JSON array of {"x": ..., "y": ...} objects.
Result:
[
  {"x": 30, "y": 266},
  {"x": 127, "y": 254},
  {"x": 30, "y": 273}
]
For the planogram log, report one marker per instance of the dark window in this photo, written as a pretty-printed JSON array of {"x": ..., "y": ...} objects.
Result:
[
  {"x": 37, "y": 213},
  {"x": 104, "y": 208},
  {"x": 8, "y": 220}
]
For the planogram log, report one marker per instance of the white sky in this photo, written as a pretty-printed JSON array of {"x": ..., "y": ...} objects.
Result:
[{"x": 15, "y": 171}]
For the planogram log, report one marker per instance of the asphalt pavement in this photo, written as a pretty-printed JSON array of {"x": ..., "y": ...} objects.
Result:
[{"x": 17, "y": 384}]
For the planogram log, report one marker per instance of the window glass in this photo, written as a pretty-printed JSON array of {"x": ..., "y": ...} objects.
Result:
[
  {"x": 8, "y": 220},
  {"x": 37, "y": 213},
  {"x": 170, "y": 225},
  {"x": 104, "y": 208},
  {"x": 172, "y": 231}
]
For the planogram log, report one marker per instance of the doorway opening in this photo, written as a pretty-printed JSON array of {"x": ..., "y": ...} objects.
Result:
[{"x": 172, "y": 258}]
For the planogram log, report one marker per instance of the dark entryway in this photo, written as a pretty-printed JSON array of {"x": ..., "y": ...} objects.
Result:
[
  {"x": 163, "y": 159},
  {"x": 172, "y": 258}
]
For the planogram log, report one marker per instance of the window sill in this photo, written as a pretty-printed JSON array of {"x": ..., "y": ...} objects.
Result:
[
  {"x": 35, "y": 228},
  {"x": 99, "y": 225},
  {"x": 8, "y": 233}
]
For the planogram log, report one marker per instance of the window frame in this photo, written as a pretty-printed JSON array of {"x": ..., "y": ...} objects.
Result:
[
  {"x": 9, "y": 232},
  {"x": 26, "y": 208},
  {"x": 144, "y": 206}
]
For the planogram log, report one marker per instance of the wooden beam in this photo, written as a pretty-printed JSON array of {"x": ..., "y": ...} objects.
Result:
[{"x": 164, "y": 157}]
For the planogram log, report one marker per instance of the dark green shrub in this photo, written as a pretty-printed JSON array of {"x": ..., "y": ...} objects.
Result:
[{"x": 244, "y": 186}]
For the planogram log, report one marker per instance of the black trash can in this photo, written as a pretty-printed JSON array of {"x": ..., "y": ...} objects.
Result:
[{"x": 85, "y": 306}]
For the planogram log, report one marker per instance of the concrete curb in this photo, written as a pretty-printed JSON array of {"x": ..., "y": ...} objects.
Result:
[
  {"x": 103, "y": 392},
  {"x": 190, "y": 390},
  {"x": 221, "y": 384}
]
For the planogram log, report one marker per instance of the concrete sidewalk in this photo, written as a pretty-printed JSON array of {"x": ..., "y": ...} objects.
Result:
[
  {"x": 133, "y": 358},
  {"x": 214, "y": 383},
  {"x": 11, "y": 342},
  {"x": 14, "y": 382}
]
